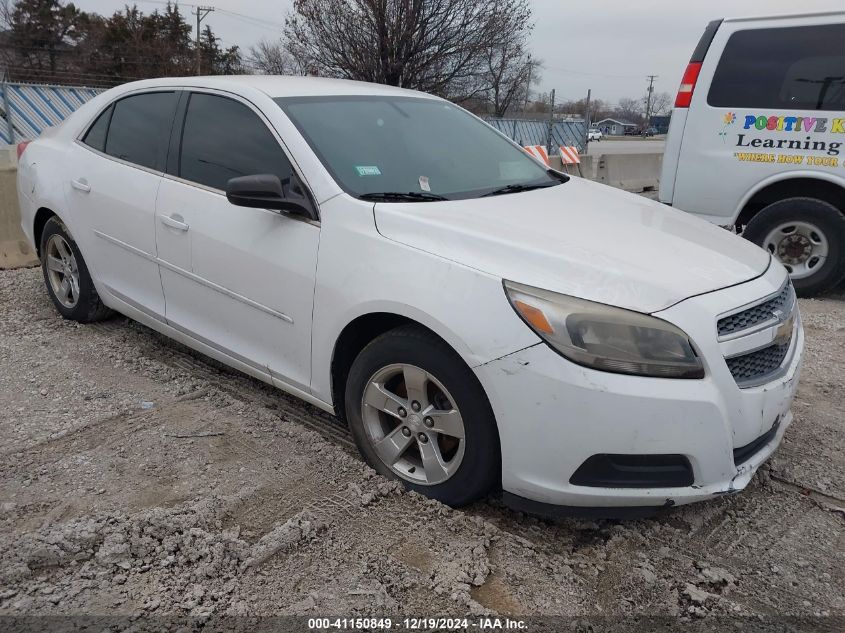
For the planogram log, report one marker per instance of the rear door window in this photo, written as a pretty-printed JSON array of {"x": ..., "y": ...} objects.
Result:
[
  {"x": 96, "y": 135},
  {"x": 139, "y": 131},
  {"x": 797, "y": 68},
  {"x": 224, "y": 139}
]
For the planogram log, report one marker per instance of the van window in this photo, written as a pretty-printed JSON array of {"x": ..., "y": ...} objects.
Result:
[
  {"x": 224, "y": 139},
  {"x": 796, "y": 68},
  {"x": 140, "y": 128}
]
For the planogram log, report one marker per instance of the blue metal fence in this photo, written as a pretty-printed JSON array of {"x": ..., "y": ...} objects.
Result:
[
  {"x": 566, "y": 133},
  {"x": 28, "y": 109}
]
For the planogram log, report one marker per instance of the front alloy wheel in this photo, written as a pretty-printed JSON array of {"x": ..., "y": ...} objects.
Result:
[
  {"x": 418, "y": 414},
  {"x": 411, "y": 421}
]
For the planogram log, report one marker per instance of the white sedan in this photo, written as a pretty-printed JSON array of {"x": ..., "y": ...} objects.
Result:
[
  {"x": 481, "y": 322},
  {"x": 594, "y": 134}
]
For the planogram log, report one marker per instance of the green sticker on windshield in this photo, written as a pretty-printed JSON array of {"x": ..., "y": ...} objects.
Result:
[{"x": 368, "y": 170}]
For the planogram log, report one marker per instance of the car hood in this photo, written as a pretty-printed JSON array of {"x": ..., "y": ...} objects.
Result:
[{"x": 582, "y": 239}]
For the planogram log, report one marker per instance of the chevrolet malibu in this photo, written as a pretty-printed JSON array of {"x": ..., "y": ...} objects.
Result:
[{"x": 480, "y": 321}]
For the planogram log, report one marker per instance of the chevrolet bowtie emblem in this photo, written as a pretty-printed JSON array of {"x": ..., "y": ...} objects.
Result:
[{"x": 784, "y": 332}]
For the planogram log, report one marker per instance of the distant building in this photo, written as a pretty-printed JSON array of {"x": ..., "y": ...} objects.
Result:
[
  {"x": 661, "y": 123},
  {"x": 612, "y": 127}
]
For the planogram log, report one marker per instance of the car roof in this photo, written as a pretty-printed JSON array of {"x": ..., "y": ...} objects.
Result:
[
  {"x": 282, "y": 85},
  {"x": 787, "y": 16}
]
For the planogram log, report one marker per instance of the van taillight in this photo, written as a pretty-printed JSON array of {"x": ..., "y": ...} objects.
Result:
[
  {"x": 684, "y": 97},
  {"x": 21, "y": 147}
]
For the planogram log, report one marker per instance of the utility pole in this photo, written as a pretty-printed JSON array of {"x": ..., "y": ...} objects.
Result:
[
  {"x": 528, "y": 86},
  {"x": 651, "y": 79},
  {"x": 551, "y": 123},
  {"x": 587, "y": 120},
  {"x": 201, "y": 12}
]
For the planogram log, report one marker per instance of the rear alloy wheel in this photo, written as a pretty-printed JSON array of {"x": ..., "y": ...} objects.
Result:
[
  {"x": 808, "y": 237},
  {"x": 66, "y": 276},
  {"x": 418, "y": 414},
  {"x": 62, "y": 271}
]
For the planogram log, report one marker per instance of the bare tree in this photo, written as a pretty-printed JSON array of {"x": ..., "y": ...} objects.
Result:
[
  {"x": 438, "y": 46},
  {"x": 630, "y": 110},
  {"x": 273, "y": 58},
  {"x": 509, "y": 67},
  {"x": 661, "y": 103}
]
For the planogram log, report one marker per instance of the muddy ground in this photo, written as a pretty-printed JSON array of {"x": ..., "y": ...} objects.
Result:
[{"x": 139, "y": 478}]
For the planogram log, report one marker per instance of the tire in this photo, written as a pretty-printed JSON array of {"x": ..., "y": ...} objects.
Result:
[
  {"x": 472, "y": 465},
  {"x": 813, "y": 225},
  {"x": 62, "y": 263}
]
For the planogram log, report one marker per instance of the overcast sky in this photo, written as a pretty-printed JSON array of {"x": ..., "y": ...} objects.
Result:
[{"x": 607, "y": 45}]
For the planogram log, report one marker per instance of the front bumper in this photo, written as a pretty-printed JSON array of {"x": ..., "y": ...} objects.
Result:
[{"x": 553, "y": 415}]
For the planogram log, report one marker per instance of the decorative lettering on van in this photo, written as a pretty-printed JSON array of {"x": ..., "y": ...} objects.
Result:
[{"x": 790, "y": 140}]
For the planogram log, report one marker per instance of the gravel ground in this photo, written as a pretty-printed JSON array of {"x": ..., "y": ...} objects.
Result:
[{"x": 139, "y": 478}]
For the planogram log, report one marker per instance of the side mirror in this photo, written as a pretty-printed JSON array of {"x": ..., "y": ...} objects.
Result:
[{"x": 266, "y": 191}]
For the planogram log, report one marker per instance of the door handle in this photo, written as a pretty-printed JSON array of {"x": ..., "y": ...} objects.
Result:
[
  {"x": 81, "y": 184},
  {"x": 174, "y": 222}
]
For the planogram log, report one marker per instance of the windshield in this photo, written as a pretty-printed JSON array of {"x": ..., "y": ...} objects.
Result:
[{"x": 428, "y": 148}]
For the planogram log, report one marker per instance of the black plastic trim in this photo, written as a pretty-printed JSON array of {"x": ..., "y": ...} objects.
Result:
[
  {"x": 744, "y": 453},
  {"x": 706, "y": 40},
  {"x": 634, "y": 471},
  {"x": 552, "y": 511}
]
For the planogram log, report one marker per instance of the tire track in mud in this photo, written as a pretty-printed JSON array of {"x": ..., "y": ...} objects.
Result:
[{"x": 235, "y": 384}]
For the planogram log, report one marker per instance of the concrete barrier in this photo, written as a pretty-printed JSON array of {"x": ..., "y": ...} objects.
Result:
[
  {"x": 631, "y": 172},
  {"x": 585, "y": 169},
  {"x": 14, "y": 250}
]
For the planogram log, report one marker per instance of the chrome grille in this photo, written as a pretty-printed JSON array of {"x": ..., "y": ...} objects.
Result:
[
  {"x": 757, "y": 366},
  {"x": 755, "y": 315}
]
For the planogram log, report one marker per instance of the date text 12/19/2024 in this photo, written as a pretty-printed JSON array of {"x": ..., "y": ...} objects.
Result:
[{"x": 416, "y": 624}]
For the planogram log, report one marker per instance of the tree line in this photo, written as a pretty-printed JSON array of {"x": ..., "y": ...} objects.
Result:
[
  {"x": 626, "y": 110},
  {"x": 49, "y": 41},
  {"x": 470, "y": 51}
]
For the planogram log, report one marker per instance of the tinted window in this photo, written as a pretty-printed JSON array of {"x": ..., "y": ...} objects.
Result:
[
  {"x": 799, "y": 68},
  {"x": 96, "y": 136},
  {"x": 140, "y": 128},
  {"x": 224, "y": 139},
  {"x": 400, "y": 144}
]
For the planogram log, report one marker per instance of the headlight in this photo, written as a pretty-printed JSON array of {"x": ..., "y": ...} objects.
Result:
[{"x": 606, "y": 338}]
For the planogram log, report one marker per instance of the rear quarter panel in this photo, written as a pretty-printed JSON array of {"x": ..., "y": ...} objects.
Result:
[
  {"x": 724, "y": 158},
  {"x": 41, "y": 177}
]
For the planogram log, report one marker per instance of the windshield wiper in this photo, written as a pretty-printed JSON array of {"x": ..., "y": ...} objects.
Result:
[
  {"x": 519, "y": 187},
  {"x": 398, "y": 196}
]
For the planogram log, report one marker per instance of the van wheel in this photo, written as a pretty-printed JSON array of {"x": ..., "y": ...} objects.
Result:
[
  {"x": 66, "y": 276},
  {"x": 807, "y": 236},
  {"x": 418, "y": 414}
]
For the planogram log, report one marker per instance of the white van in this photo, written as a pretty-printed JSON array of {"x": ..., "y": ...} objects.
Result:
[{"x": 756, "y": 139}]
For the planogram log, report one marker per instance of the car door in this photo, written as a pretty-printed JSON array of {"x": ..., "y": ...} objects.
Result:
[
  {"x": 238, "y": 279},
  {"x": 115, "y": 173}
]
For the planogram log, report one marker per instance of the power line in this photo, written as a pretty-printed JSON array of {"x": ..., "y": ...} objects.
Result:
[
  {"x": 587, "y": 74},
  {"x": 253, "y": 20}
]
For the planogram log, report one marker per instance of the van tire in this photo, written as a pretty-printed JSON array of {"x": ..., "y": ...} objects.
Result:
[
  {"x": 479, "y": 470},
  {"x": 829, "y": 220}
]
